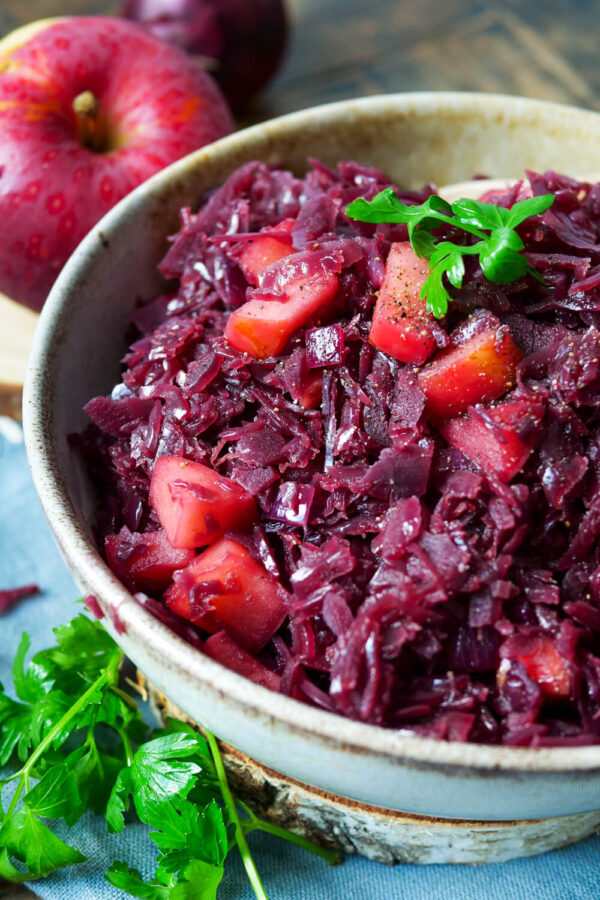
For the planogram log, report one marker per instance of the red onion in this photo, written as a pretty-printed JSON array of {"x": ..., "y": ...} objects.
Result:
[{"x": 242, "y": 41}]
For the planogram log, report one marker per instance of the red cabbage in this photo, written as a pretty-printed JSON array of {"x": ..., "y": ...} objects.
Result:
[
  {"x": 10, "y": 596},
  {"x": 292, "y": 503},
  {"x": 325, "y": 346},
  {"x": 416, "y": 583}
]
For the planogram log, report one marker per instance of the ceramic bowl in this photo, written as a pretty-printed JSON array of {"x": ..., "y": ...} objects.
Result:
[{"x": 415, "y": 138}]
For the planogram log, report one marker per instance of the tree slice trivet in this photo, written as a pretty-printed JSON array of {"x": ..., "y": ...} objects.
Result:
[{"x": 383, "y": 835}]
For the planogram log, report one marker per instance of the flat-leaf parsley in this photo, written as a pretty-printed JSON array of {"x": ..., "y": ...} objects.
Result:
[
  {"x": 82, "y": 744},
  {"x": 498, "y": 246}
]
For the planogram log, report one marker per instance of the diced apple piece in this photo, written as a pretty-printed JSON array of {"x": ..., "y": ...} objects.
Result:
[
  {"x": 226, "y": 589},
  {"x": 224, "y": 650},
  {"x": 259, "y": 253},
  {"x": 401, "y": 325},
  {"x": 195, "y": 505},
  {"x": 547, "y": 668},
  {"x": 144, "y": 561},
  {"x": 490, "y": 437},
  {"x": 477, "y": 371},
  {"x": 262, "y": 328}
]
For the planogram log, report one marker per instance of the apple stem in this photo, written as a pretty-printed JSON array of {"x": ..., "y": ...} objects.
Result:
[{"x": 86, "y": 108}]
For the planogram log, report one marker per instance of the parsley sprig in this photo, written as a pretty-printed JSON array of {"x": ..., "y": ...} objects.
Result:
[
  {"x": 498, "y": 246},
  {"x": 80, "y": 743}
]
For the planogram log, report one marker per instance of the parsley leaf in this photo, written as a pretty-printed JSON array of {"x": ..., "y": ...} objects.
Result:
[
  {"x": 56, "y": 795},
  {"x": 159, "y": 771},
  {"x": 82, "y": 745},
  {"x": 188, "y": 831},
  {"x": 32, "y": 842},
  {"x": 386, "y": 207},
  {"x": 15, "y": 724},
  {"x": 83, "y": 649},
  {"x": 31, "y": 684},
  {"x": 480, "y": 215},
  {"x": 57, "y": 688},
  {"x": 131, "y": 881},
  {"x": 498, "y": 246},
  {"x": 96, "y": 770},
  {"x": 201, "y": 881},
  {"x": 8, "y": 871},
  {"x": 499, "y": 257},
  {"x": 525, "y": 209}
]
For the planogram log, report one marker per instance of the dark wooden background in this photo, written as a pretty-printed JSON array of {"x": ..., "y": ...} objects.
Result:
[{"x": 348, "y": 48}]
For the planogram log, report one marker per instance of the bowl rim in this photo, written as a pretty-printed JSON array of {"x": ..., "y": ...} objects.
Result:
[{"x": 83, "y": 557}]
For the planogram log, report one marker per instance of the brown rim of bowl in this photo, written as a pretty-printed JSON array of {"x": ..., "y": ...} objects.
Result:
[{"x": 84, "y": 558}]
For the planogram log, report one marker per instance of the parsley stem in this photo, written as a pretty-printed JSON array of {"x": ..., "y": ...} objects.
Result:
[
  {"x": 23, "y": 773},
  {"x": 249, "y": 865},
  {"x": 254, "y": 823},
  {"x": 471, "y": 229},
  {"x": 127, "y": 698},
  {"x": 90, "y": 740},
  {"x": 79, "y": 704},
  {"x": 126, "y": 745},
  {"x": 13, "y": 803},
  {"x": 248, "y": 826},
  {"x": 331, "y": 856}
]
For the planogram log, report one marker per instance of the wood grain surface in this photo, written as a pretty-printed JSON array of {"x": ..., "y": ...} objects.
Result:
[{"x": 348, "y": 48}]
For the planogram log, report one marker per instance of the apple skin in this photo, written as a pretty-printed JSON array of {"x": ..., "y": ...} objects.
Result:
[{"x": 155, "y": 106}]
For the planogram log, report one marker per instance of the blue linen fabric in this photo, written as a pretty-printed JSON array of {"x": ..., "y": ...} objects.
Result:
[{"x": 29, "y": 554}]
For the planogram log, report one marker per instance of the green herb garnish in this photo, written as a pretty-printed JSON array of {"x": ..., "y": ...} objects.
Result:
[
  {"x": 82, "y": 744},
  {"x": 498, "y": 247}
]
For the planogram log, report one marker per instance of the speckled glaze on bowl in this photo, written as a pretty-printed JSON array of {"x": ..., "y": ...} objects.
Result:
[{"x": 415, "y": 138}]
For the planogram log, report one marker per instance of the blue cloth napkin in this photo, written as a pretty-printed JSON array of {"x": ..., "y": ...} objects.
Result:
[{"x": 29, "y": 554}]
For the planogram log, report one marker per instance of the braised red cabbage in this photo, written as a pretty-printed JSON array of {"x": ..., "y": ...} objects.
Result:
[
  {"x": 11, "y": 596},
  {"x": 423, "y": 595}
]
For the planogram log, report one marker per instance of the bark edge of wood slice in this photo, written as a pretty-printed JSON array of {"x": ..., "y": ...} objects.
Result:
[{"x": 383, "y": 835}]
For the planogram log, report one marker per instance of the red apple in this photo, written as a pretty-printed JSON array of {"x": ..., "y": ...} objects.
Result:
[{"x": 89, "y": 108}]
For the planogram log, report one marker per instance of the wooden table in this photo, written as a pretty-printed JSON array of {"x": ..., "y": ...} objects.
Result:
[{"x": 349, "y": 48}]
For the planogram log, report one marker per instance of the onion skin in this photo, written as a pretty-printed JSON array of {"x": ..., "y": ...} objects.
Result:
[{"x": 242, "y": 42}]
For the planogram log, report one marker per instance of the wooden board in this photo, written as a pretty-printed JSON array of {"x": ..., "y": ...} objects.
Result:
[{"x": 17, "y": 324}]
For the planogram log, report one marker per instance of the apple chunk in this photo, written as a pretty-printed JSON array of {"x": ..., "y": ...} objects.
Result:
[
  {"x": 479, "y": 370},
  {"x": 144, "y": 561},
  {"x": 224, "y": 589},
  {"x": 492, "y": 437},
  {"x": 195, "y": 504},
  {"x": 224, "y": 650},
  {"x": 401, "y": 325}
]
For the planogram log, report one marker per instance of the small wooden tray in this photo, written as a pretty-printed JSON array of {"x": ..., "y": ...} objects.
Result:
[{"x": 17, "y": 324}]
